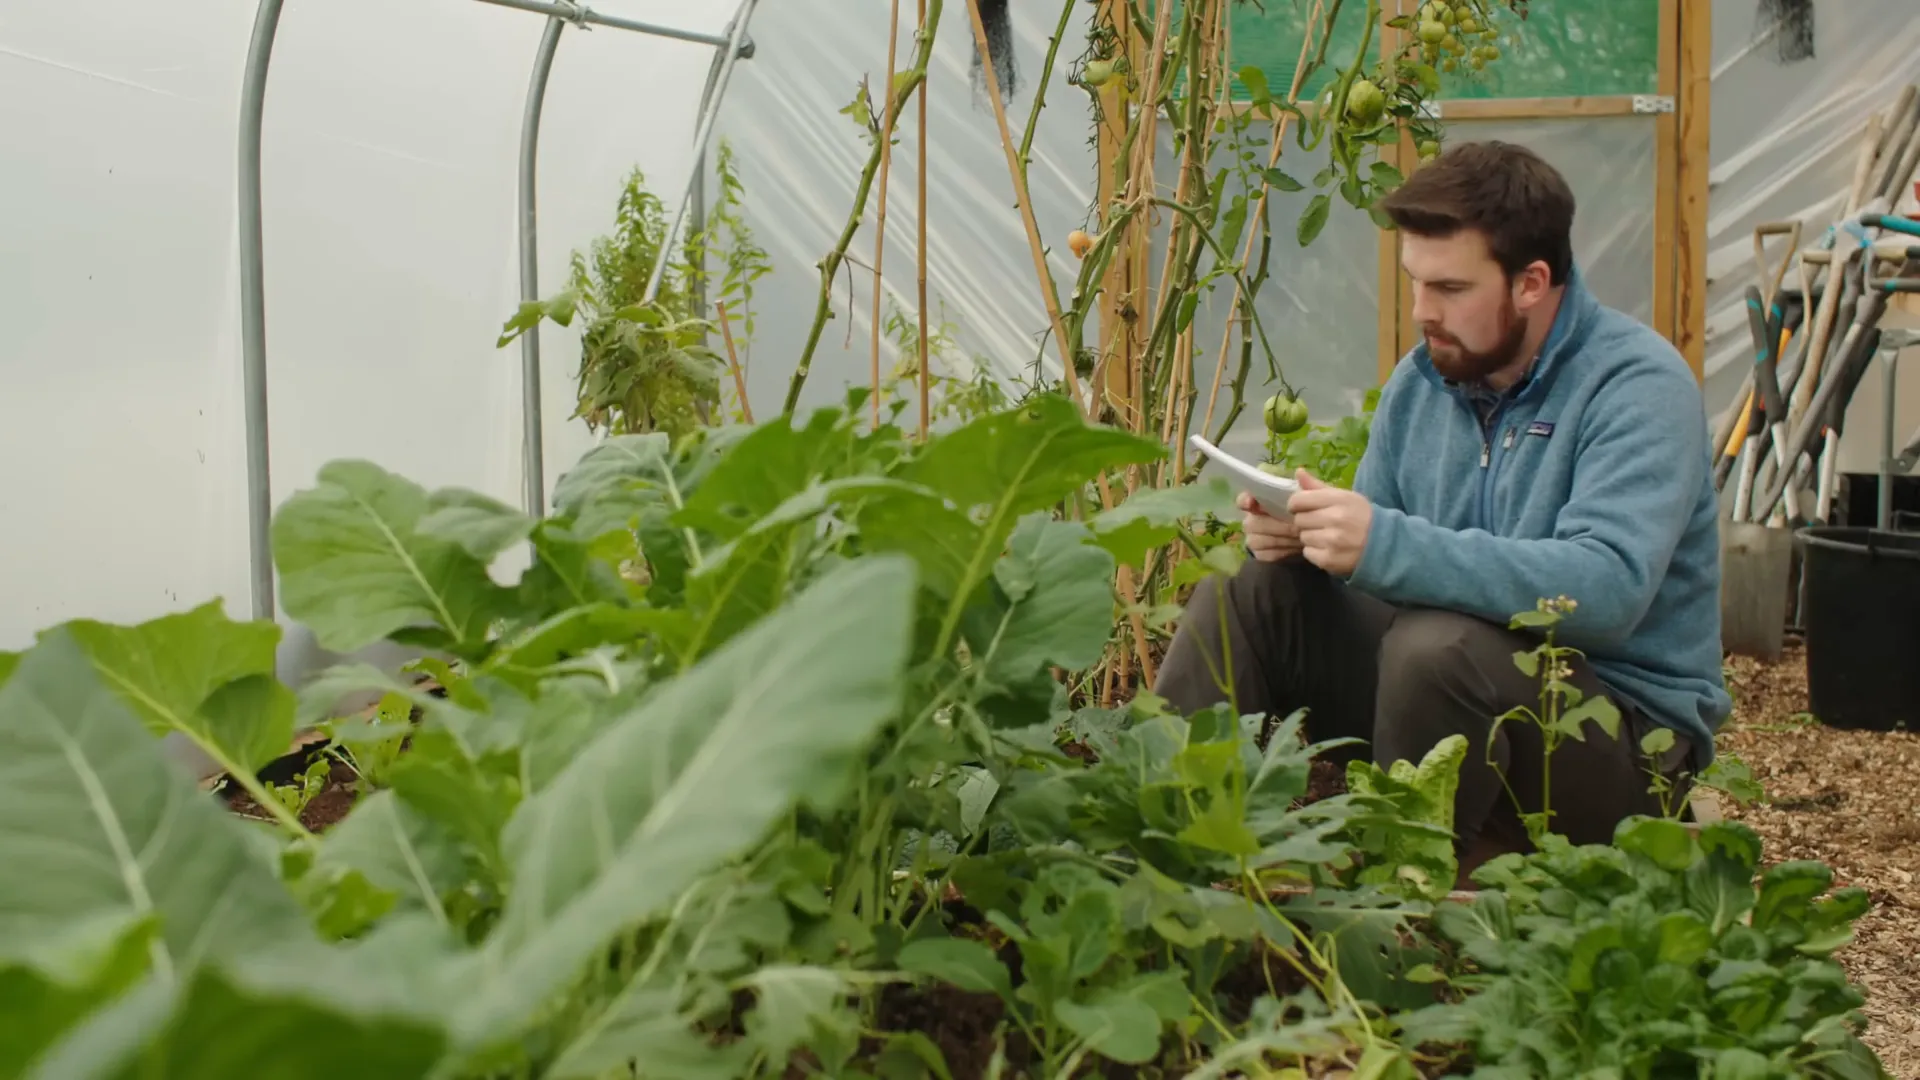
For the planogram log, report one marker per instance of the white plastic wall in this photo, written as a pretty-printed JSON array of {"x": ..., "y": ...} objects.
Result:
[
  {"x": 391, "y": 140},
  {"x": 389, "y": 173}
]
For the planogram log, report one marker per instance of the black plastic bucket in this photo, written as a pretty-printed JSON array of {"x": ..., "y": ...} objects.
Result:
[{"x": 1862, "y": 619}]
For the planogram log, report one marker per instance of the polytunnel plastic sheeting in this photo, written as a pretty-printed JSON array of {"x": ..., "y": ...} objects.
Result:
[
  {"x": 390, "y": 145},
  {"x": 1608, "y": 161},
  {"x": 1319, "y": 306},
  {"x": 800, "y": 160},
  {"x": 1784, "y": 141}
]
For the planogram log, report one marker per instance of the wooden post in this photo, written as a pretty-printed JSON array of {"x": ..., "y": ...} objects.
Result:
[
  {"x": 1666, "y": 176},
  {"x": 1122, "y": 327},
  {"x": 1696, "y": 76},
  {"x": 1395, "y": 320}
]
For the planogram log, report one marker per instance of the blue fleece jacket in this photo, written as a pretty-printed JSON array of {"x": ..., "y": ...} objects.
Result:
[{"x": 1589, "y": 478}]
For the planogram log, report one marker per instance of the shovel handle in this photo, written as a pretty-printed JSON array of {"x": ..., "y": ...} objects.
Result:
[{"x": 1890, "y": 222}]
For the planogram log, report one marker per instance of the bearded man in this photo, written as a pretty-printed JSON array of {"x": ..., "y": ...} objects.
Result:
[{"x": 1536, "y": 445}]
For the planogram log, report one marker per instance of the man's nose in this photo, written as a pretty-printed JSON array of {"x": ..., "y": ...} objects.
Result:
[{"x": 1424, "y": 313}]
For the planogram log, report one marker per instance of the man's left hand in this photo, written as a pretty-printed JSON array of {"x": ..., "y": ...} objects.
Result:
[{"x": 1333, "y": 524}]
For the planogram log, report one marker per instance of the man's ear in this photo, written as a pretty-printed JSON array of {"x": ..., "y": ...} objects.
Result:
[{"x": 1531, "y": 284}]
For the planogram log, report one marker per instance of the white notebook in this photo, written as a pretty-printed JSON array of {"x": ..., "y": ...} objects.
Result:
[{"x": 1270, "y": 491}]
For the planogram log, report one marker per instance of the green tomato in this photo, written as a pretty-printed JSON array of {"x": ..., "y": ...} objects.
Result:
[
  {"x": 1365, "y": 101},
  {"x": 1097, "y": 72},
  {"x": 1284, "y": 415},
  {"x": 1433, "y": 31}
]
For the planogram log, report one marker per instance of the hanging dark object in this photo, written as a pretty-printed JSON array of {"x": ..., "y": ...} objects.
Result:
[
  {"x": 999, "y": 28},
  {"x": 1790, "y": 22}
]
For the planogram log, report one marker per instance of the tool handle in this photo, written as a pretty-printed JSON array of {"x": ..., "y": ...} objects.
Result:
[
  {"x": 1765, "y": 371},
  {"x": 1891, "y": 222},
  {"x": 1856, "y": 369}
]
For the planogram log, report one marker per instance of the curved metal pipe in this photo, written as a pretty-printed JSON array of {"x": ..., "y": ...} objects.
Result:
[
  {"x": 570, "y": 10},
  {"x": 532, "y": 434},
  {"x": 253, "y": 310},
  {"x": 709, "y": 112}
]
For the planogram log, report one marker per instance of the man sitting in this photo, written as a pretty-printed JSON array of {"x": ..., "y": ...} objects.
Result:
[{"x": 1536, "y": 445}]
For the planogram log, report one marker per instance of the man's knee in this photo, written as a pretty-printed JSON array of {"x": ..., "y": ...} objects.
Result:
[
  {"x": 1429, "y": 651},
  {"x": 1257, "y": 589}
]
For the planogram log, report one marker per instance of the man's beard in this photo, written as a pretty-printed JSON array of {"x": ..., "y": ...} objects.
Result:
[{"x": 1462, "y": 364}]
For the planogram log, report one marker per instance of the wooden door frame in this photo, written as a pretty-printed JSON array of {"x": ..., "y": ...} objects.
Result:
[{"x": 1682, "y": 107}]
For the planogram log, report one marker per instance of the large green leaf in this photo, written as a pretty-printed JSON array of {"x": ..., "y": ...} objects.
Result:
[
  {"x": 608, "y": 487},
  {"x": 481, "y": 524},
  {"x": 692, "y": 778},
  {"x": 355, "y": 566},
  {"x": 748, "y": 577},
  {"x": 1025, "y": 459},
  {"x": 61, "y": 979},
  {"x": 294, "y": 1013},
  {"x": 645, "y": 1026},
  {"x": 1148, "y": 518},
  {"x": 397, "y": 849},
  {"x": 94, "y": 819},
  {"x": 203, "y": 675},
  {"x": 773, "y": 463},
  {"x": 628, "y": 476},
  {"x": 1055, "y": 603},
  {"x": 993, "y": 471}
]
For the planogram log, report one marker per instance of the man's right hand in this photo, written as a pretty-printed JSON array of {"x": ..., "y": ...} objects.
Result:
[{"x": 1269, "y": 539}]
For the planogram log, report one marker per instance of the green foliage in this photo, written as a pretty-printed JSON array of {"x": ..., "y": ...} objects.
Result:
[
  {"x": 1331, "y": 452},
  {"x": 950, "y": 398},
  {"x": 651, "y": 365},
  {"x": 1658, "y": 955},
  {"x": 1422, "y": 862},
  {"x": 694, "y": 783}
]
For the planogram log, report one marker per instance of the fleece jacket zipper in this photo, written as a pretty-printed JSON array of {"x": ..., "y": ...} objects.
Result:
[{"x": 1488, "y": 425}]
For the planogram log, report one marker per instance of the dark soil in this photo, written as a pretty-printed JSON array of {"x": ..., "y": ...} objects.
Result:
[{"x": 325, "y": 809}]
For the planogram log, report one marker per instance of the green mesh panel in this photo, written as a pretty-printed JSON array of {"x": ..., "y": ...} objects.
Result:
[{"x": 1564, "y": 48}]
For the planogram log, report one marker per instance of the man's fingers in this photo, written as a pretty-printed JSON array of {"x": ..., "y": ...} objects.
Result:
[{"x": 1307, "y": 500}]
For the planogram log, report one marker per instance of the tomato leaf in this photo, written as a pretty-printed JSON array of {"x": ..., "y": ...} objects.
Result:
[
  {"x": 1313, "y": 218},
  {"x": 1280, "y": 181}
]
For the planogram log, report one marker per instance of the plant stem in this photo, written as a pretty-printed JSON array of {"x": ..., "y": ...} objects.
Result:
[
  {"x": 251, "y": 784},
  {"x": 920, "y": 251},
  {"x": 830, "y": 266},
  {"x": 1017, "y": 169},
  {"x": 733, "y": 362},
  {"x": 1241, "y": 300}
]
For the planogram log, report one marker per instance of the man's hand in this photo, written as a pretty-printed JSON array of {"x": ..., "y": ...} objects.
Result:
[
  {"x": 1269, "y": 539},
  {"x": 1331, "y": 524}
]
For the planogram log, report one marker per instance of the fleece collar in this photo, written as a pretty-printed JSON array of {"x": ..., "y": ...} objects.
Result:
[{"x": 1578, "y": 310}]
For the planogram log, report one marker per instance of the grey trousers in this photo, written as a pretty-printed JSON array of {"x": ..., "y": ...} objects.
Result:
[{"x": 1402, "y": 679}]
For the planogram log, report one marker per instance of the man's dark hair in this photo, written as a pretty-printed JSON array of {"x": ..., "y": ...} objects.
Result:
[{"x": 1521, "y": 204}]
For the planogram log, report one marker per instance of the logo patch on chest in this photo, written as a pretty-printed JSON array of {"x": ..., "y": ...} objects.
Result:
[{"x": 1540, "y": 427}]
